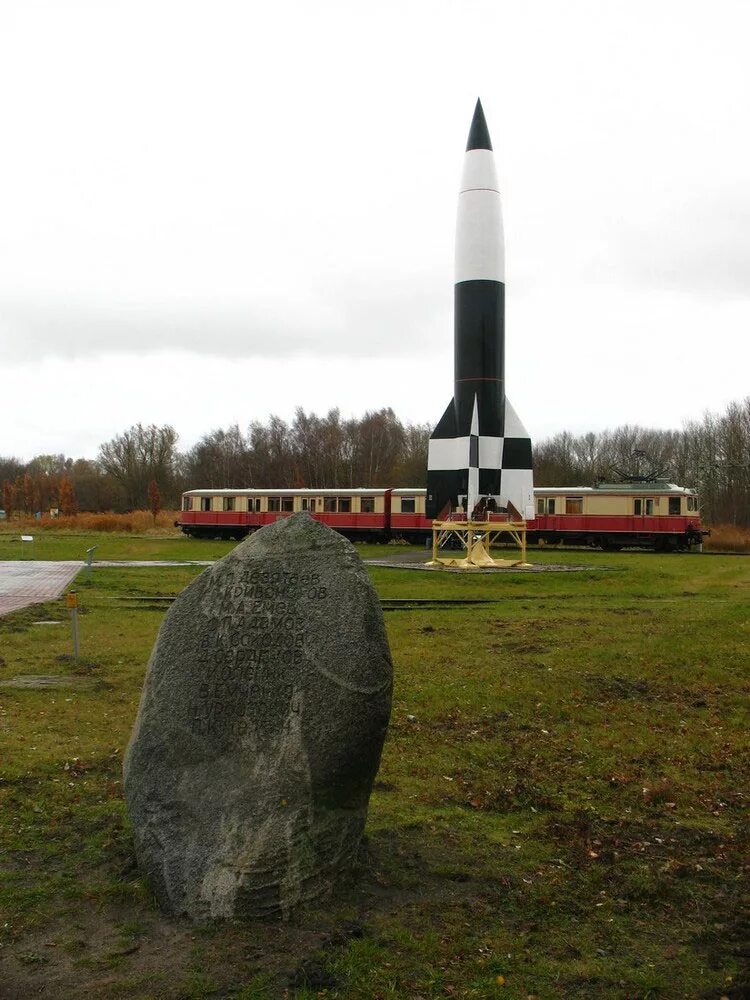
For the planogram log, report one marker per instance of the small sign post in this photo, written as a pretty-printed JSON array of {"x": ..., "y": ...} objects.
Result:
[
  {"x": 72, "y": 601},
  {"x": 27, "y": 538}
]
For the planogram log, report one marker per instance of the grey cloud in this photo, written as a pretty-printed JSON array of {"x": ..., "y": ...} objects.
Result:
[{"x": 398, "y": 319}]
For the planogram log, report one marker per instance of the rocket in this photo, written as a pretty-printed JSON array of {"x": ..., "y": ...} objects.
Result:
[{"x": 480, "y": 452}]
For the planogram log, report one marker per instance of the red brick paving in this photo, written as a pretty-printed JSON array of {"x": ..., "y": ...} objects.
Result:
[{"x": 24, "y": 582}]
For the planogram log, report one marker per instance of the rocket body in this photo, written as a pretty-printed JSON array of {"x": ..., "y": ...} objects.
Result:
[{"x": 479, "y": 453}]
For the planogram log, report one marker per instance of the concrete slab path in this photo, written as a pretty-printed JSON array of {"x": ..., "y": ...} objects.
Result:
[
  {"x": 24, "y": 582},
  {"x": 141, "y": 563}
]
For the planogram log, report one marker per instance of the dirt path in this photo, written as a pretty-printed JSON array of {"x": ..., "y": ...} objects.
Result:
[{"x": 30, "y": 582}]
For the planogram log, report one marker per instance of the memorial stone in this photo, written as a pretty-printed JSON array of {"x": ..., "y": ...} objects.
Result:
[{"x": 260, "y": 727}]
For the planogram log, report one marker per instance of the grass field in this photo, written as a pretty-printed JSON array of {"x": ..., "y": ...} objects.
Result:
[
  {"x": 558, "y": 812},
  {"x": 109, "y": 546}
]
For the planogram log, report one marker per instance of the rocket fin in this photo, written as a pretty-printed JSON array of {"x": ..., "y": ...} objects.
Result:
[
  {"x": 472, "y": 495},
  {"x": 446, "y": 427},
  {"x": 513, "y": 426},
  {"x": 517, "y": 476},
  {"x": 516, "y": 441},
  {"x": 475, "y": 421},
  {"x": 447, "y": 461}
]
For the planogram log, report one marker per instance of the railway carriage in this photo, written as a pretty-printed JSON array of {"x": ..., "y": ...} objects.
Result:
[
  {"x": 611, "y": 516},
  {"x": 377, "y": 514}
]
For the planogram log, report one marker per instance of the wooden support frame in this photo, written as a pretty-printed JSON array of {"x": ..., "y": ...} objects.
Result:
[{"x": 476, "y": 539}]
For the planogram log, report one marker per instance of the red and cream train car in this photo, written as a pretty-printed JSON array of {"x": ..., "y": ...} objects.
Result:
[
  {"x": 360, "y": 513},
  {"x": 611, "y": 516},
  {"x": 651, "y": 515}
]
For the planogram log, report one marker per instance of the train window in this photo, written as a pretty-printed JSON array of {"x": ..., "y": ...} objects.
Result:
[
  {"x": 649, "y": 506},
  {"x": 274, "y": 504},
  {"x": 287, "y": 504},
  {"x": 187, "y": 503},
  {"x": 674, "y": 505},
  {"x": 540, "y": 505},
  {"x": 638, "y": 506},
  {"x": 367, "y": 505},
  {"x": 205, "y": 503},
  {"x": 408, "y": 505},
  {"x": 574, "y": 505},
  {"x": 228, "y": 503},
  {"x": 551, "y": 505},
  {"x": 308, "y": 503},
  {"x": 329, "y": 505},
  {"x": 692, "y": 503},
  {"x": 345, "y": 505}
]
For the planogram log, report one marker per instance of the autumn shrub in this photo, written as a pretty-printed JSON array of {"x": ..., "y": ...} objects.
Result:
[
  {"x": 728, "y": 538},
  {"x": 138, "y": 522}
]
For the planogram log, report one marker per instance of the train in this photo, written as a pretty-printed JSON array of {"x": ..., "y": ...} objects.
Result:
[{"x": 657, "y": 515}]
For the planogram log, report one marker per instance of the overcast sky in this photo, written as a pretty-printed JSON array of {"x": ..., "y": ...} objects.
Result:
[{"x": 214, "y": 211}]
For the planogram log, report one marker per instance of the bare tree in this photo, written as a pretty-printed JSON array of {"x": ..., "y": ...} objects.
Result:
[
  {"x": 139, "y": 455},
  {"x": 10, "y": 468},
  {"x": 154, "y": 499},
  {"x": 379, "y": 448},
  {"x": 7, "y": 497},
  {"x": 96, "y": 489},
  {"x": 220, "y": 459}
]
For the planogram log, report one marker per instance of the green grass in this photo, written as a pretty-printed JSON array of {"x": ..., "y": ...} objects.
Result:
[
  {"x": 563, "y": 808},
  {"x": 109, "y": 546},
  {"x": 49, "y": 545}
]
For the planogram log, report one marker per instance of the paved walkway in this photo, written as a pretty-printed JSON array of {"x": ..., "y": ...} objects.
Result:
[
  {"x": 24, "y": 582},
  {"x": 116, "y": 563}
]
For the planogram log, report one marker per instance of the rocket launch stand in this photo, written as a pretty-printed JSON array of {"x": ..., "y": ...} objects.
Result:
[{"x": 476, "y": 539}]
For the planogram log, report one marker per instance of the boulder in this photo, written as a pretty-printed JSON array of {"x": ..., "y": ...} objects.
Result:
[{"x": 260, "y": 728}]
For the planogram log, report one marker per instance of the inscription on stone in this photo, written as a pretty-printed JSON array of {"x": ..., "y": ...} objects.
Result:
[
  {"x": 261, "y": 725},
  {"x": 253, "y": 653}
]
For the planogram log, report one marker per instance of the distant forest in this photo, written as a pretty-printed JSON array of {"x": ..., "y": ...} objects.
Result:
[{"x": 711, "y": 454}]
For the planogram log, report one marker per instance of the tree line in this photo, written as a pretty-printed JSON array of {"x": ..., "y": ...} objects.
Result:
[
  {"x": 377, "y": 449},
  {"x": 711, "y": 454}
]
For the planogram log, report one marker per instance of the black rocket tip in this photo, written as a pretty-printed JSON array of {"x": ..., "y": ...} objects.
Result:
[{"x": 479, "y": 134}]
